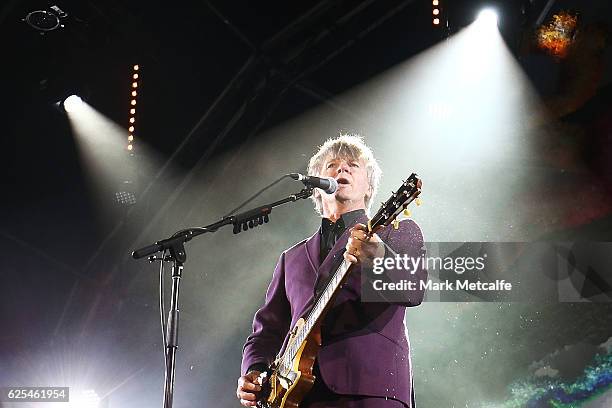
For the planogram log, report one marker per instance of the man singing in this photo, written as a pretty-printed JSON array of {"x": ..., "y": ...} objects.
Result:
[{"x": 364, "y": 360}]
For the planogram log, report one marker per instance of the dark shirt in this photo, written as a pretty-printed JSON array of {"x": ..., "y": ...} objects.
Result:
[{"x": 331, "y": 231}]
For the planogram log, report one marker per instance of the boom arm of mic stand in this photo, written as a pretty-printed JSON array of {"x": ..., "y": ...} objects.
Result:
[
  {"x": 241, "y": 222},
  {"x": 261, "y": 215}
]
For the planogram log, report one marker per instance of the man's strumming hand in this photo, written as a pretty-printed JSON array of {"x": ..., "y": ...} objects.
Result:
[{"x": 247, "y": 385}]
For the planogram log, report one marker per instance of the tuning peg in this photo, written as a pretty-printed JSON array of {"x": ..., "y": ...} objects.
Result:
[
  {"x": 396, "y": 224},
  {"x": 418, "y": 201},
  {"x": 407, "y": 212}
]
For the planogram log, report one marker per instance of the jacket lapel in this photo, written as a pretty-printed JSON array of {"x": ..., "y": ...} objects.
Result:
[
  {"x": 313, "y": 249},
  {"x": 333, "y": 260}
]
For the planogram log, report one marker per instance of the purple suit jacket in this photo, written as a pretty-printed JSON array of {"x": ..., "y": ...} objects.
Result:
[{"x": 365, "y": 348}]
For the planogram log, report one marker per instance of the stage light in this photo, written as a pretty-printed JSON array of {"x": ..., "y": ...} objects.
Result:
[
  {"x": 437, "y": 12},
  {"x": 46, "y": 21},
  {"x": 487, "y": 17},
  {"x": 126, "y": 193},
  {"x": 125, "y": 198},
  {"x": 133, "y": 102},
  {"x": 72, "y": 103},
  {"x": 558, "y": 34}
]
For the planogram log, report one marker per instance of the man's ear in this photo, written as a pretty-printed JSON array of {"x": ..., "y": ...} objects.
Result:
[{"x": 368, "y": 194}]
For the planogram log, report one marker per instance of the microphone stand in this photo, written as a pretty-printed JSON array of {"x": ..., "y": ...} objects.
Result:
[{"x": 175, "y": 245}]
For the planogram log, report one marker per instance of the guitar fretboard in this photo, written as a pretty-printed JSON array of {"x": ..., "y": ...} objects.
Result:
[{"x": 314, "y": 315}]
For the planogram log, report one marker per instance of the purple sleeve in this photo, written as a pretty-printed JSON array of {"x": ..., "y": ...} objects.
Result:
[
  {"x": 270, "y": 324},
  {"x": 407, "y": 239}
]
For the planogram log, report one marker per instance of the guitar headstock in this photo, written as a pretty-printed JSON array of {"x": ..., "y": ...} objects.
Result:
[{"x": 399, "y": 200}]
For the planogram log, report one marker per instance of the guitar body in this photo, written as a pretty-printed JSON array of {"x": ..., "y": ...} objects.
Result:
[{"x": 287, "y": 389}]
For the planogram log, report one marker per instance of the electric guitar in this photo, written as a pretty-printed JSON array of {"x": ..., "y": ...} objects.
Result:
[{"x": 289, "y": 378}]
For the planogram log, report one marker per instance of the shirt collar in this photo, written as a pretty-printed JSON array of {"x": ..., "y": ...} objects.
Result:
[{"x": 345, "y": 220}]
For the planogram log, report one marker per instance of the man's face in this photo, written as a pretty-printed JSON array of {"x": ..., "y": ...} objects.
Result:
[{"x": 352, "y": 178}]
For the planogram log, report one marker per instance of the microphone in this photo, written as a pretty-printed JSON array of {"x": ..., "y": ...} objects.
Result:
[{"x": 327, "y": 184}]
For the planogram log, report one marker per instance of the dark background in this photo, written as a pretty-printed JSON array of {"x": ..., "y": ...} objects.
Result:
[{"x": 77, "y": 311}]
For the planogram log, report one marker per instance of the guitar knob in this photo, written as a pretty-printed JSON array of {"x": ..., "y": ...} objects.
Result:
[
  {"x": 396, "y": 224},
  {"x": 407, "y": 212},
  {"x": 418, "y": 201}
]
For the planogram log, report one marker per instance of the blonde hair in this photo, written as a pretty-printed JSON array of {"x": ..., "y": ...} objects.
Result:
[{"x": 347, "y": 146}]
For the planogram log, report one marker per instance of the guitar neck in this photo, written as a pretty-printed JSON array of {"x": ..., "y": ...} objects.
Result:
[
  {"x": 326, "y": 296},
  {"x": 319, "y": 307}
]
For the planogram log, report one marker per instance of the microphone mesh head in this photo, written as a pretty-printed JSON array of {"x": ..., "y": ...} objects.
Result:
[{"x": 333, "y": 186}]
